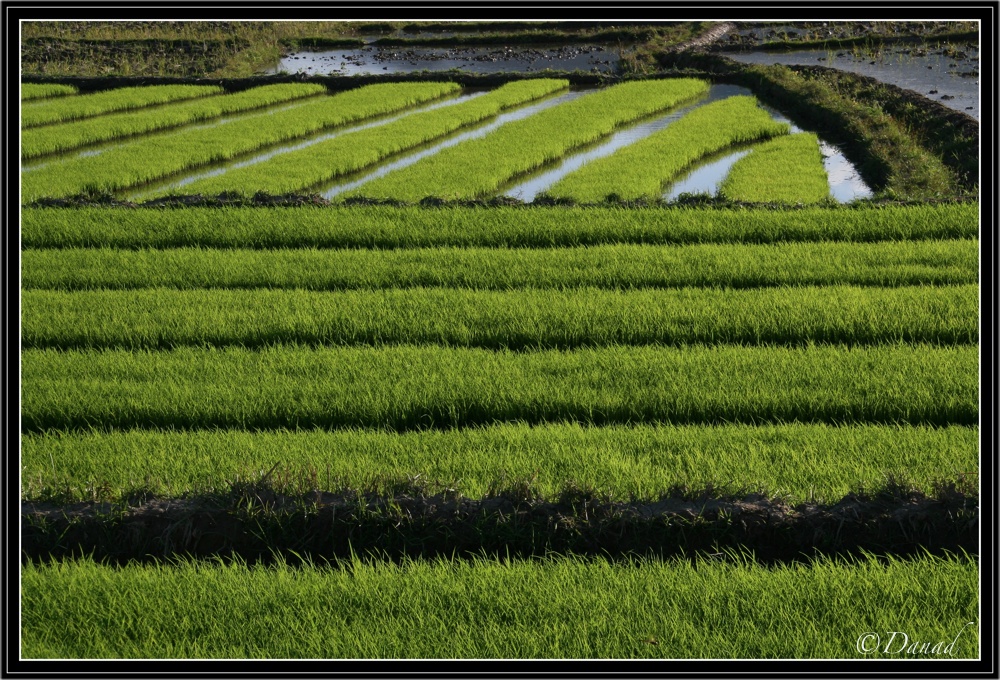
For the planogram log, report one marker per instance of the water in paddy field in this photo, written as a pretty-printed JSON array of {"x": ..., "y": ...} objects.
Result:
[
  {"x": 410, "y": 157},
  {"x": 704, "y": 177},
  {"x": 474, "y": 59},
  {"x": 178, "y": 182},
  {"x": 946, "y": 75}
]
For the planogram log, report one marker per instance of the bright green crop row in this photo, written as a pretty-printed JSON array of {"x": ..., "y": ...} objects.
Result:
[
  {"x": 537, "y": 227},
  {"x": 785, "y": 170},
  {"x": 144, "y": 160},
  {"x": 551, "y": 608},
  {"x": 303, "y": 168},
  {"x": 520, "y": 319},
  {"x": 640, "y": 170},
  {"x": 887, "y": 263},
  {"x": 407, "y": 387},
  {"x": 478, "y": 167},
  {"x": 109, "y": 101},
  {"x": 810, "y": 462},
  {"x": 50, "y": 139},
  {"x": 44, "y": 90}
]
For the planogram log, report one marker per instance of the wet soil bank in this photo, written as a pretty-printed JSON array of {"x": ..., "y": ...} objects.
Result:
[{"x": 255, "y": 523}]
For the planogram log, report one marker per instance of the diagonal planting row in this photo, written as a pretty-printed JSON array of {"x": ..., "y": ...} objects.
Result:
[
  {"x": 788, "y": 169},
  {"x": 61, "y": 109},
  {"x": 145, "y": 160},
  {"x": 51, "y": 139},
  {"x": 353, "y": 151},
  {"x": 640, "y": 170},
  {"x": 31, "y": 91},
  {"x": 480, "y": 167}
]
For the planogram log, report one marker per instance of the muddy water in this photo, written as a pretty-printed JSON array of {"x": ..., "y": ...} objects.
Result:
[
  {"x": 951, "y": 79},
  {"x": 179, "y": 181},
  {"x": 482, "y": 59},
  {"x": 351, "y": 182},
  {"x": 704, "y": 177}
]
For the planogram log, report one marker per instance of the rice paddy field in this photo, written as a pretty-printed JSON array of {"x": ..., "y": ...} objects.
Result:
[{"x": 411, "y": 341}]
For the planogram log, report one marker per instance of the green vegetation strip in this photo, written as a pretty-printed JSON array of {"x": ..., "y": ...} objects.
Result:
[
  {"x": 640, "y": 170},
  {"x": 809, "y": 462},
  {"x": 44, "y": 90},
  {"x": 625, "y": 266},
  {"x": 144, "y": 160},
  {"x": 354, "y": 151},
  {"x": 50, "y": 139},
  {"x": 556, "y": 607},
  {"x": 109, "y": 101},
  {"x": 478, "y": 167},
  {"x": 409, "y": 387},
  {"x": 524, "y": 319},
  {"x": 538, "y": 227},
  {"x": 784, "y": 170}
]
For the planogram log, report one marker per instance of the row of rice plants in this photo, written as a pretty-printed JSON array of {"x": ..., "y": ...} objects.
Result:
[
  {"x": 303, "y": 168},
  {"x": 539, "y": 227},
  {"x": 807, "y": 461},
  {"x": 43, "y": 90},
  {"x": 626, "y": 266},
  {"x": 50, "y": 139},
  {"x": 408, "y": 387},
  {"x": 557, "y": 607},
  {"x": 479, "y": 167},
  {"x": 147, "y": 159},
  {"x": 641, "y": 170},
  {"x": 60, "y": 109},
  {"x": 524, "y": 319},
  {"x": 784, "y": 170}
]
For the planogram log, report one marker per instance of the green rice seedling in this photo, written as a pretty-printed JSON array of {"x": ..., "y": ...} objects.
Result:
[
  {"x": 410, "y": 227},
  {"x": 87, "y": 105},
  {"x": 624, "y": 266},
  {"x": 807, "y": 462},
  {"x": 354, "y": 151},
  {"x": 522, "y": 319},
  {"x": 408, "y": 387},
  {"x": 556, "y": 607},
  {"x": 44, "y": 90},
  {"x": 50, "y": 139},
  {"x": 144, "y": 160},
  {"x": 479, "y": 167},
  {"x": 785, "y": 170},
  {"x": 641, "y": 170}
]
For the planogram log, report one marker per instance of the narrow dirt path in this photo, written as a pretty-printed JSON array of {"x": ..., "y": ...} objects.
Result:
[{"x": 709, "y": 36}]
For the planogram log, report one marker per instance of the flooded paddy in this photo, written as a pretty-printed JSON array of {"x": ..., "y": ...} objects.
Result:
[
  {"x": 480, "y": 59},
  {"x": 947, "y": 74}
]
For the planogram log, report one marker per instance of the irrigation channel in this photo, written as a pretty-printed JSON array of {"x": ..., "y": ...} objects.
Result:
[{"x": 703, "y": 178}]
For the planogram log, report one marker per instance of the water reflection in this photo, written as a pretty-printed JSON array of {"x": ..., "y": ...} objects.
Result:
[{"x": 479, "y": 59}]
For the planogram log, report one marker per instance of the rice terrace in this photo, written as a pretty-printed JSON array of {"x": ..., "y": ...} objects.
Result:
[{"x": 498, "y": 340}]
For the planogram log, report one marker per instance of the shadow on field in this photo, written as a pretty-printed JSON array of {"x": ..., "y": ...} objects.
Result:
[{"x": 255, "y": 522}]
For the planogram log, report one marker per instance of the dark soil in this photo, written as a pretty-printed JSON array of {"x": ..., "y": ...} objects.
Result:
[{"x": 256, "y": 523}]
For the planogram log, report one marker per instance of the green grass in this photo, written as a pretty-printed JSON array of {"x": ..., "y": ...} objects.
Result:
[
  {"x": 551, "y": 608},
  {"x": 44, "y": 90},
  {"x": 353, "y": 151},
  {"x": 522, "y": 319},
  {"x": 784, "y": 170},
  {"x": 144, "y": 160},
  {"x": 808, "y": 462},
  {"x": 50, "y": 139},
  {"x": 625, "y": 266},
  {"x": 480, "y": 167},
  {"x": 410, "y": 387},
  {"x": 641, "y": 170},
  {"x": 87, "y": 105},
  {"x": 537, "y": 227}
]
